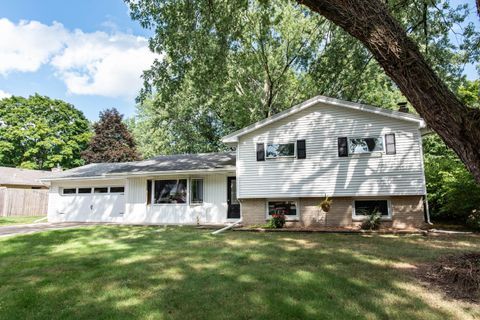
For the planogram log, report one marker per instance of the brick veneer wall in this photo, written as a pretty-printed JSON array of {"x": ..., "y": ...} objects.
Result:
[{"x": 407, "y": 212}]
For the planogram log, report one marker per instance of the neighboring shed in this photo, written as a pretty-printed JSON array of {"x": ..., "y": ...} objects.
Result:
[{"x": 22, "y": 193}]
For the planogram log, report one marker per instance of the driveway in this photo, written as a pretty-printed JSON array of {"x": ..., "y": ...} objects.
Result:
[{"x": 37, "y": 227}]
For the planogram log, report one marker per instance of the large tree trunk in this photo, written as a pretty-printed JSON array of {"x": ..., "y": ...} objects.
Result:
[{"x": 370, "y": 22}]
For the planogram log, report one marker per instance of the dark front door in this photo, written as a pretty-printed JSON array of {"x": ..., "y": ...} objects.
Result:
[{"x": 232, "y": 201}]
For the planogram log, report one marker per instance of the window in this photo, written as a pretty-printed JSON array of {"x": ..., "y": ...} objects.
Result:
[
  {"x": 69, "y": 191},
  {"x": 390, "y": 144},
  {"x": 84, "y": 190},
  {"x": 288, "y": 208},
  {"x": 260, "y": 152},
  {"x": 196, "y": 191},
  {"x": 366, "y": 207},
  {"x": 301, "y": 149},
  {"x": 365, "y": 145},
  {"x": 342, "y": 147},
  {"x": 277, "y": 150},
  {"x": 117, "y": 189},
  {"x": 100, "y": 190},
  {"x": 170, "y": 191}
]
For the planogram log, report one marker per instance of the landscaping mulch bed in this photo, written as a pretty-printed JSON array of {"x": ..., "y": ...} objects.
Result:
[
  {"x": 457, "y": 275},
  {"x": 334, "y": 230}
]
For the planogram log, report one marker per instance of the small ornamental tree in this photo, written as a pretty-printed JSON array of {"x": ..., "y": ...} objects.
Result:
[{"x": 112, "y": 142}]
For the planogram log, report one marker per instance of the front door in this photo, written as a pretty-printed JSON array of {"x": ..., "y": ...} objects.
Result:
[{"x": 232, "y": 201}]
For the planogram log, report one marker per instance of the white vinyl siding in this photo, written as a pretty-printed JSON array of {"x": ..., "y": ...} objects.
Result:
[
  {"x": 212, "y": 210},
  {"x": 324, "y": 172}
]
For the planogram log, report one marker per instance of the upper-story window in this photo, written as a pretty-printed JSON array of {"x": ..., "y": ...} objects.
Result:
[
  {"x": 365, "y": 145},
  {"x": 278, "y": 150}
]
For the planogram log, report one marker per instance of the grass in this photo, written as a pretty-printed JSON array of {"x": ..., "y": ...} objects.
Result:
[
  {"x": 6, "y": 221},
  {"x": 120, "y": 272}
]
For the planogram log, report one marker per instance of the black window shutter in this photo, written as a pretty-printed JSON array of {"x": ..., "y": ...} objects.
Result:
[
  {"x": 301, "y": 149},
  {"x": 342, "y": 147},
  {"x": 260, "y": 152},
  {"x": 149, "y": 191},
  {"x": 390, "y": 147}
]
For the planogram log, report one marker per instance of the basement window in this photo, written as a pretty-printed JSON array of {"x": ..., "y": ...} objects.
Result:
[
  {"x": 363, "y": 208},
  {"x": 286, "y": 207}
]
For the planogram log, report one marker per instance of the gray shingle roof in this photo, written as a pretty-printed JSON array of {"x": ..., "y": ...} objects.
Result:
[
  {"x": 181, "y": 162},
  {"x": 24, "y": 177}
]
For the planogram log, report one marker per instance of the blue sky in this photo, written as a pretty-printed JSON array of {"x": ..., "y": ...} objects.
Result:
[
  {"x": 84, "y": 26},
  {"x": 86, "y": 52}
]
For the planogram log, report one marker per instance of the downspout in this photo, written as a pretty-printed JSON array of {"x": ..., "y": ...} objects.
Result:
[
  {"x": 227, "y": 227},
  {"x": 427, "y": 209}
]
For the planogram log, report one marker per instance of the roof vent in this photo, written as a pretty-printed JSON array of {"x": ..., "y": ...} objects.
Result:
[{"x": 402, "y": 107}]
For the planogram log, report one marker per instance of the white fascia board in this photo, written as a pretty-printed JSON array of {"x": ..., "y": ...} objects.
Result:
[{"x": 233, "y": 137}]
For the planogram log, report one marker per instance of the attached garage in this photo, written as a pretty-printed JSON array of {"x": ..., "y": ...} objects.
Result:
[{"x": 102, "y": 201}]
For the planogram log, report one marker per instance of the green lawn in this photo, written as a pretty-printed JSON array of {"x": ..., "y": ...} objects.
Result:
[
  {"x": 6, "y": 221},
  {"x": 112, "y": 272}
]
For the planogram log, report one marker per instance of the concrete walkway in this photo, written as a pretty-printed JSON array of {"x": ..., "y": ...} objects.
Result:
[{"x": 37, "y": 227}]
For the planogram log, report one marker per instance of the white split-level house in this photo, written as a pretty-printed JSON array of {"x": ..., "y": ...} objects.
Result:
[{"x": 364, "y": 158}]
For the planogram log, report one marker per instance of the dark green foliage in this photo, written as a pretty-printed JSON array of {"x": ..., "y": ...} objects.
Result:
[
  {"x": 112, "y": 141},
  {"x": 473, "y": 219},
  {"x": 277, "y": 221},
  {"x": 372, "y": 222},
  {"x": 226, "y": 64},
  {"x": 39, "y": 133},
  {"x": 452, "y": 190}
]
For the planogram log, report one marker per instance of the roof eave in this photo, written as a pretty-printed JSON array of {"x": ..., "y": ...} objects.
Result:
[
  {"x": 234, "y": 136},
  {"x": 123, "y": 175}
]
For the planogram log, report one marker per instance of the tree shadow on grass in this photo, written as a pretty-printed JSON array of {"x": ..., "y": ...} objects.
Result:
[{"x": 179, "y": 273}]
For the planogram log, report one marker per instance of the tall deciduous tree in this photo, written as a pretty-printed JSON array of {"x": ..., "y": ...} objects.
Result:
[
  {"x": 40, "y": 133},
  {"x": 227, "y": 64},
  {"x": 112, "y": 142},
  {"x": 371, "y": 22}
]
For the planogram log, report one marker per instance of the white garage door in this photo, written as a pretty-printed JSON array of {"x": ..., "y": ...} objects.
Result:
[{"x": 93, "y": 204}]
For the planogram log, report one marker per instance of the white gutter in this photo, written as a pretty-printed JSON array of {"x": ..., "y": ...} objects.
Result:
[
  {"x": 112, "y": 176},
  {"x": 227, "y": 227}
]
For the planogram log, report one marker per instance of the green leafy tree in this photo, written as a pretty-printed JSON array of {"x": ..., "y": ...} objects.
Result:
[
  {"x": 112, "y": 142},
  {"x": 39, "y": 133},
  {"x": 226, "y": 64},
  {"x": 452, "y": 190}
]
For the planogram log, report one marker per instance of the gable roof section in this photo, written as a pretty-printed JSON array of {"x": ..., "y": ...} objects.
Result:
[
  {"x": 233, "y": 137},
  {"x": 157, "y": 165},
  {"x": 24, "y": 177}
]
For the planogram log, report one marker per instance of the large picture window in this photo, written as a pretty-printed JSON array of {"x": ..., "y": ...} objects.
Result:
[
  {"x": 364, "y": 145},
  {"x": 288, "y": 208},
  {"x": 278, "y": 150},
  {"x": 170, "y": 191},
  {"x": 196, "y": 191},
  {"x": 366, "y": 207}
]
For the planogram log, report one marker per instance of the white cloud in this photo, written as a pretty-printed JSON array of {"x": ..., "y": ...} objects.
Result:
[
  {"x": 27, "y": 45},
  {"x": 103, "y": 64},
  {"x": 96, "y": 63},
  {"x": 4, "y": 94}
]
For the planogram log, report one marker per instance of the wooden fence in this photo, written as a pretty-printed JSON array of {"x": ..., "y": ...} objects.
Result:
[{"x": 23, "y": 202}]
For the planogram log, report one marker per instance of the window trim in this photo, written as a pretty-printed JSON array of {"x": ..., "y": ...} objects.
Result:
[
  {"x": 190, "y": 184},
  {"x": 287, "y": 217},
  {"x": 69, "y": 194},
  {"x": 383, "y": 151},
  {"x": 294, "y": 156},
  {"x": 110, "y": 188},
  {"x": 187, "y": 202},
  {"x": 82, "y": 194},
  {"x": 99, "y": 187},
  {"x": 363, "y": 217}
]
